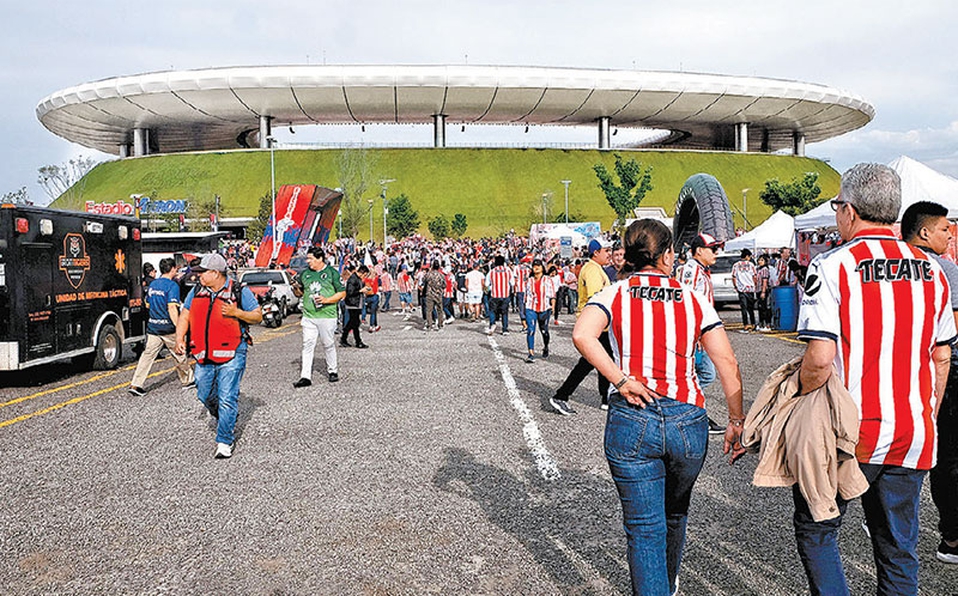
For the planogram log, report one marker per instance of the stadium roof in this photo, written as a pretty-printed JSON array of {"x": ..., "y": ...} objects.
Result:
[{"x": 219, "y": 108}]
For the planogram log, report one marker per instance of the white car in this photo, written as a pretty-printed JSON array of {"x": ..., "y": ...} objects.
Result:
[
  {"x": 722, "y": 287},
  {"x": 258, "y": 280}
]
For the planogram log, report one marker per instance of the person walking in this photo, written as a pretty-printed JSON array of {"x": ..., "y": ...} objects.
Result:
[
  {"x": 743, "y": 278},
  {"x": 163, "y": 301},
  {"x": 372, "y": 299},
  {"x": 218, "y": 312},
  {"x": 356, "y": 291},
  {"x": 877, "y": 313},
  {"x": 696, "y": 275},
  {"x": 539, "y": 296},
  {"x": 434, "y": 286},
  {"x": 520, "y": 275},
  {"x": 474, "y": 283},
  {"x": 404, "y": 283},
  {"x": 925, "y": 225},
  {"x": 591, "y": 279},
  {"x": 322, "y": 289},
  {"x": 499, "y": 283},
  {"x": 763, "y": 290},
  {"x": 656, "y": 434}
]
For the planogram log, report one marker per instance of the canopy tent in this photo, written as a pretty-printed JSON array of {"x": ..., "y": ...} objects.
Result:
[
  {"x": 918, "y": 183},
  {"x": 559, "y": 233},
  {"x": 777, "y": 231}
]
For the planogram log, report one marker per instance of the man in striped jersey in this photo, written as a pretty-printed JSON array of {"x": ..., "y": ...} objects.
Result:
[
  {"x": 925, "y": 225},
  {"x": 879, "y": 310},
  {"x": 499, "y": 282}
]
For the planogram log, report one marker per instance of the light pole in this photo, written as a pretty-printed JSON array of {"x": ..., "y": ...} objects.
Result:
[
  {"x": 544, "y": 196},
  {"x": 566, "y": 183},
  {"x": 272, "y": 177},
  {"x": 370, "y": 220},
  {"x": 744, "y": 207},
  {"x": 385, "y": 185}
]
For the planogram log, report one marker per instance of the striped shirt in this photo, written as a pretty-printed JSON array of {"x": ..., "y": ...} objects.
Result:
[
  {"x": 540, "y": 293},
  {"x": 654, "y": 324},
  {"x": 499, "y": 281},
  {"x": 886, "y": 305},
  {"x": 743, "y": 276},
  {"x": 404, "y": 283},
  {"x": 697, "y": 277},
  {"x": 520, "y": 276}
]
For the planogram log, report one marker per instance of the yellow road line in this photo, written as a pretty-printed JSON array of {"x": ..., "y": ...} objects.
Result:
[{"x": 76, "y": 400}]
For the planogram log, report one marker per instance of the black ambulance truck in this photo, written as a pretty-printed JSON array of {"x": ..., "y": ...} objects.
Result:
[{"x": 69, "y": 287}]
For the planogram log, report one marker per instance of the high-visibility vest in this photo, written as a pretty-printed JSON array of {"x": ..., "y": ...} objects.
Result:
[{"x": 214, "y": 338}]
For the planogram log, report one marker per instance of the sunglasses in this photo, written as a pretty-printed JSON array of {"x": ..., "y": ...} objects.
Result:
[{"x": 836, "y": 204}]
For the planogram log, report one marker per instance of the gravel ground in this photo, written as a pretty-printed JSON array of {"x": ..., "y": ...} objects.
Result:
[{"x": 413, "y": 475}]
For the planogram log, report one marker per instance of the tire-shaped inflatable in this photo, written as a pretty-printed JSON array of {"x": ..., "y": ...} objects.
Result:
[{"x": 702, "y": 207}]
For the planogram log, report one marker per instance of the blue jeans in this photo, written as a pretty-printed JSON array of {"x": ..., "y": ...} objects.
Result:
[
  {"x": 891, "y": 512},
  {"x": 655, "y": 454},
  {"x": 372, "y": 308},
  {"x": 386, "y": 297},
  {"x": 532, "y": 317},
  {"x": 218, "y": 388},
  {"x": 704, "y": 368},
  {"x": 521, "y": 304}
]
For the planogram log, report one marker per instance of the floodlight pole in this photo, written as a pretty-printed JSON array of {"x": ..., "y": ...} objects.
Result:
[
  {"x": 385, "y": 185},
  {"x": 544, "y": 195},
  {"x": 744, "y": 207},
  {"x": 566, "y": 183},
  {"x": 272, "y": 176}
]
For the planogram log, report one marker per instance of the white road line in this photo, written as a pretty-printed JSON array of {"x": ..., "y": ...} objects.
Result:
[{"x": 546, "y": 465}]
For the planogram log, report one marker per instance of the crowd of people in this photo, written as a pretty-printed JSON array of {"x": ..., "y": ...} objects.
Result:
[{"x": 878, "y": 316}]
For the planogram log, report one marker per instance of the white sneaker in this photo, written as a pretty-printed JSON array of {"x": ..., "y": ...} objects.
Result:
[
  {"x": 223, "y": 451},
  {"x": 490, "y": 330}
]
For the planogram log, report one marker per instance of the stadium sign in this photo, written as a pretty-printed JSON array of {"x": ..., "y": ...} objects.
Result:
[{"x": 138, "y": 206}]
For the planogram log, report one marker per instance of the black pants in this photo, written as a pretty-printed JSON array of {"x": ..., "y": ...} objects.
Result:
[
  {"x": 579, "y": 372},
  {"x": 764, "y": 311},
  {"x": 499, "y": 311},
  {"x": 747, "y": 301},
  {"x": 352, "y": 324},
  {"x": 944, "y": 476},
  {"x": 562, "y": 295}
]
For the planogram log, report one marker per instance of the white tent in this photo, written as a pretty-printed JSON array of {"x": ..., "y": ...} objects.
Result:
[
  {"x": 559, "y": 233},
  {"x": 775, "y": 232},
  {"x": 918, "y": 183}
]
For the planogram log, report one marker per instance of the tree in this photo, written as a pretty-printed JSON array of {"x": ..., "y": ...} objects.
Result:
[
  {"x": 459, "y": 225},
  {"x": 56, "y": 180},
  {"x": 439, "y": 227},
  {"x": 256, "y": 228},
  {"x": 402, "y": 220},
  {"x": 356, "y": 174},
  {"x": 795, "y": 197},
  {"x": 18, "y": 197},
  {"x": 634, "y": 183},
  {"x": 573, "y": 216}
]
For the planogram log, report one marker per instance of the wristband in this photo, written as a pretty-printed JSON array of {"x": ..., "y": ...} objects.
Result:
[
  {"x": 622, "y": 382},
  {"x": 736, "y": 422}
]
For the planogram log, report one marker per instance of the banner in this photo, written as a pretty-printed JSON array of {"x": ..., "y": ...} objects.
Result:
[{"x": 292, "y": 203}]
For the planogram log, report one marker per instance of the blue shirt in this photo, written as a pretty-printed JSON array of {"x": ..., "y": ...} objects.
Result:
[
  {"x": 161, "y": 293},
  {"x": 248, "y": 302}
]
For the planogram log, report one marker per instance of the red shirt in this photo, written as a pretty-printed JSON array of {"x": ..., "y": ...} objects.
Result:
[{"x": 499, "y": 281}]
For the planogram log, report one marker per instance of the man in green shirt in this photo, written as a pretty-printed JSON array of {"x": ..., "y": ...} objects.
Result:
[{"x": 322, "y": 289}]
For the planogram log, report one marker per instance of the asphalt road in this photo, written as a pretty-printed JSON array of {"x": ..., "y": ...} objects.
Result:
[{"x": 434, "y": 467}]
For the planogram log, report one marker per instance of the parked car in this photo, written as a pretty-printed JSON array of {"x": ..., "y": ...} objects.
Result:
[
  {"x": 260, "y": 280},
  {"x": 722, "y": 286}
]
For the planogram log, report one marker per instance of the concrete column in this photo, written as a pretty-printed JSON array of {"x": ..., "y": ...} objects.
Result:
[
  {"x": 141, "y": 142},
  {"x": 265, "y": 129},
  {"x": 741, "y": 137},
  {"x": 604, "y": 123},
  {"x": 798, "y": 144},
  {"x": 439, "y": 130},
  {"x": 124, "y": 150}
]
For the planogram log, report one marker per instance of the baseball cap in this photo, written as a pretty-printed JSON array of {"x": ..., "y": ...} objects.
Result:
[
  {"x": 598, "y": 244},
  {"x": 704, "y": 240},
  {"x": 214, "y": 262}
]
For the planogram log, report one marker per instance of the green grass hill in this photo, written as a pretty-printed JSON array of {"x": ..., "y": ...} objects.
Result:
[{"x": 496, "y": 189}]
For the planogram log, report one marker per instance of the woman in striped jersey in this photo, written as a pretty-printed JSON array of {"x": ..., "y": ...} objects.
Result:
[
  {"x": 656, "y": 435},
  {"x": 539, "y": 295}
]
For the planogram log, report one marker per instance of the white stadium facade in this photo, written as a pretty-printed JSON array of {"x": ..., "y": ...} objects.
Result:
[{"x": 236, "y": 107}]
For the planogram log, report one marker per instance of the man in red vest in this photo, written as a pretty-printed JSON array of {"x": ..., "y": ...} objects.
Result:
[{"x": 218, "y": 312}]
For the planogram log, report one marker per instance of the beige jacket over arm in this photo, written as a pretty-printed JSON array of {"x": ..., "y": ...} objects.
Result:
[{"x": 808, "y": 439}]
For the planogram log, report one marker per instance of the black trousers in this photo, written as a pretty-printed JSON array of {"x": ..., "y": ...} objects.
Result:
[
  {"x": 764, "y": 311},
  {"x": 579, "y": 372},
  {"x": 746, "y": 300},
  {"x": 944, "y": 476},
  {"x": 352, "y": 324}
]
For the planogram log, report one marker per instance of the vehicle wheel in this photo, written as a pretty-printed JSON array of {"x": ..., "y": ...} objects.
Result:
[
  {"x": 283, "y": 310},
  {"x": 701, "y": 207},
  {"x": 108, "y": 349}
]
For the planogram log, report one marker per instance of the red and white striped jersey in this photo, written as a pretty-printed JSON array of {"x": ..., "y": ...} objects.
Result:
[
  {"x": 520, "y": 276},
  {"x": 404, "y": 283},
  {"x": 886, "y": 304},
  {"x": 499, "y": 281},
  {"x": 654, "y": 324},
  {"x": 697, "y": 277},
  {"x": 539, "y": 293},
  {"x": 743, "y": 276},
  {"x": 450, "y": 290}
]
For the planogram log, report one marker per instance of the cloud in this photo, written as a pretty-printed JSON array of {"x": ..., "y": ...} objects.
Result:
[{"x": 935, "y": 147}]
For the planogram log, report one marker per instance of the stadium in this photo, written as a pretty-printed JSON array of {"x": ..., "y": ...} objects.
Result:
[{"x": 191, "y": 135}]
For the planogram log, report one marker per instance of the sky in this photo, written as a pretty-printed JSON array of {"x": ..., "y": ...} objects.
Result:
[{"x": 899, "y": 56}]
